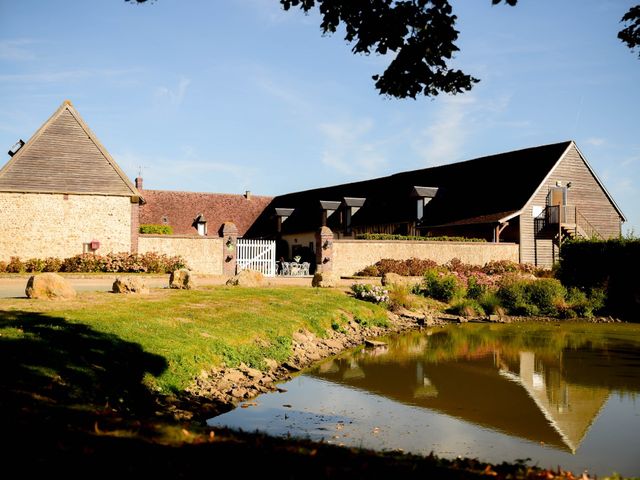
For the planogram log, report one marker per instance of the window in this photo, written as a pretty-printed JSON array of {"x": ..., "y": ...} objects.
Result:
[
  {"x": 200, "y": 224},
  {"x": 536, "y": 210},
  {"x": 421, "y": 203}
]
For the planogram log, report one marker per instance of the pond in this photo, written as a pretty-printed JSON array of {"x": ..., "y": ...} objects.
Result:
[{"x": 558, "y": 394}]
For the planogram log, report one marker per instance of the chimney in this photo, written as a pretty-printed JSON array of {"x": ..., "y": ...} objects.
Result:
[
  {"x": 247, "y": 194},
  {"x": 139, "y": 183}
]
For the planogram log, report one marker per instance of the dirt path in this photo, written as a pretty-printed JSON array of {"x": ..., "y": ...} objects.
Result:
[{"x": 12, "y": 286}]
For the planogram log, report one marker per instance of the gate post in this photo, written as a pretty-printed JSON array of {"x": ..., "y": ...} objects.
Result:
[
  {"x": 229, "y": 233},
  {"x": 324, "y": 250}
]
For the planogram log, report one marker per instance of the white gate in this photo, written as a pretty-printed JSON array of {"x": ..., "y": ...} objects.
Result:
[{"x": 257, "y": 255}]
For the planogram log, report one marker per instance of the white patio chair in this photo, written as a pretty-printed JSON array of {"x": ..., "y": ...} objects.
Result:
[{"x": 305, "y": 268}]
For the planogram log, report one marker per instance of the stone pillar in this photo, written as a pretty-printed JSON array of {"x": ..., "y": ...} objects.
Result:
[
  {"x": 324, "y": 250},
  {"x": 229, "y": 233}
]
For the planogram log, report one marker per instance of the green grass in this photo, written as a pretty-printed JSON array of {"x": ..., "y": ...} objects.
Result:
[{"x": 196, "y": 330}]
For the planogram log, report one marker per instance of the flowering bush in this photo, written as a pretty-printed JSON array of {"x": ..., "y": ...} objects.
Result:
[
  {"x": 150, "y": 262},
  {"x": 52, "y": 264},
  {"x": 34, "y": 265},
  {"x": 15, "y": 265},
  {"x": 370, "y": 293},
  {"x": 414, "y": 267}
]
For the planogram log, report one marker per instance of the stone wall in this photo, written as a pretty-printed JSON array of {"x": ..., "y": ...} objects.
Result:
[
  {"x": 202, "y": 254},
  {"x": 39, "y": 225},
  {"x": 351, "y": 256}
]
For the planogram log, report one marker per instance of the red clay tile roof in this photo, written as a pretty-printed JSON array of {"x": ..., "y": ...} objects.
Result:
[{"x": 179, "y": 209}]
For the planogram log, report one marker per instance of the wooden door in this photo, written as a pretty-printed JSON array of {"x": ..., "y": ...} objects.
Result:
[{"x": 556, "y": 200}]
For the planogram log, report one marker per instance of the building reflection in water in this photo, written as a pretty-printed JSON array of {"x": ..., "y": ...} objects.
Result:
[{"x": 545, "y": 390}]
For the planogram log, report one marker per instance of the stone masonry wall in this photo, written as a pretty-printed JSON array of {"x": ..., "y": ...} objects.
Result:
[
  {"x": 202, "y": 254},
  {"x": 39, "y": 225},
  {"x": 351, "y": 256}
]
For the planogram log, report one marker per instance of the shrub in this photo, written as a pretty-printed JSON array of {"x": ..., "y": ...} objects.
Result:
[
  {"x": 490, "y": 303},
  {"x": 52, "y": 264},
  {"x": 457, "y": 266},
  {"x": 15, "y": 265},
  {"x": 3, "y": 267},
  {"x": 84, "y": 262},
  {"x": 511, "y": 293},
  {"x": 547, "y": 294},
  {"x": 400, "y": 296},
  {"x": 387, "y": 265},
  {"x": 443, "y": 287},
  {"x": 531, "y": 297},
  {"x": 415, "y": 267},
  {"x": 475, "y": 289},
  {"x": 151, "y": 228},
  {"x": 34, "y": 265},
  {"x": 607, "y": 265},
  {"x": 582, "y": 305},
  {"x": 370, "y": 271},
  {"x": 370, "y": 293},
  {"x": 122, "y": 262},
  {"x": 466, "y": 307},
  {"x": 500, "y": 267}
]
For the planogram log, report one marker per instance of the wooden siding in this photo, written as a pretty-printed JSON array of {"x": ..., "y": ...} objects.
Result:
[
  {"x": 63, "y": 158},
  {"x": 585, "y": 193}
]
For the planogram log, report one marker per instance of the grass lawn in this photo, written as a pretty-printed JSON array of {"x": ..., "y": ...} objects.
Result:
[{"x": 189, "y": 330}]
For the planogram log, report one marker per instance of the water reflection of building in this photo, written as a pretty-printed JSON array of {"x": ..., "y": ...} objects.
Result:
[
  {"x": 525, "y": 396},
  {"x": 568, "y": 407}
]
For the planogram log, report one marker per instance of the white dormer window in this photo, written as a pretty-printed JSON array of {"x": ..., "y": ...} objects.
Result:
[
  {"x": 352, "y": 205},
  {"x": 424, "y": 196},
  {"x": 282, "y": 214},
  {"x": 200, "y": 224},
  {"x": 328, "y": 208}
]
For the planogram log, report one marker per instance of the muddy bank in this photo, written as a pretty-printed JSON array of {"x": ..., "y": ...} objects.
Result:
[{"x": 219, "y": 390}]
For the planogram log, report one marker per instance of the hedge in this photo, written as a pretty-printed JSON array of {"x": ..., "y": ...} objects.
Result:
[
  {"x": 388, "y": 236},
  {"x": 611, "y": 265},
  {"x": 156, "y": 229},
  {"x": 149, "y": 262}
]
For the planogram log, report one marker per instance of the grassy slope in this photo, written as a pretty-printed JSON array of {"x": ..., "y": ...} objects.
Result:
[{"x": 195, "y": 330}]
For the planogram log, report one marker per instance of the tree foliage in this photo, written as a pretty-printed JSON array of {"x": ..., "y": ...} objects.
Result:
[
  {"x": 418, "y": 35},
  {"x": 631, "y": 33}
]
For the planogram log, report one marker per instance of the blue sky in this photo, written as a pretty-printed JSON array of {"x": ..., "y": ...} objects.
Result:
[{"x": 235, "y": 95}]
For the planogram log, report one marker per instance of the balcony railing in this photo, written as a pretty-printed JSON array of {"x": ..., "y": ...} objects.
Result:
[{"x": 566, "y": 217}]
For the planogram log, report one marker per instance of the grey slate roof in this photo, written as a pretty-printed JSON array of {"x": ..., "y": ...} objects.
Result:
[{"x": 472, "y": 191}]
